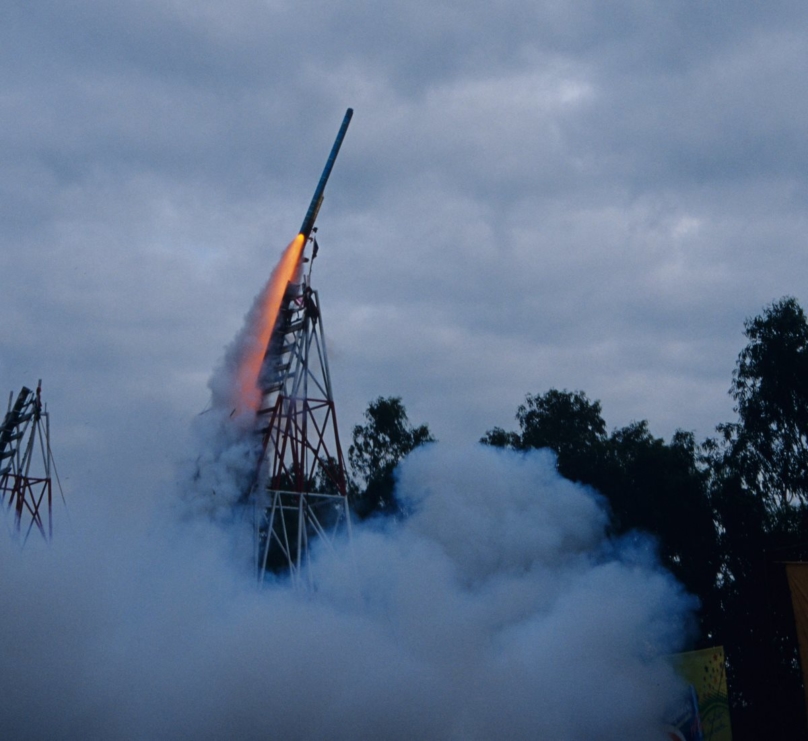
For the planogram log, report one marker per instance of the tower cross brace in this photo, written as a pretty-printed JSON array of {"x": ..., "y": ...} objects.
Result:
[{"x": 300, "y": 495}]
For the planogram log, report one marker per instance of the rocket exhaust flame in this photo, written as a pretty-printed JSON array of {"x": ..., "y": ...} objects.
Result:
[
  {"x": 226, "y": 440},
  {"x": 248, "y": 395},
  {"x": 226, "y": 465},
  {"x": 264, "y": 319}
]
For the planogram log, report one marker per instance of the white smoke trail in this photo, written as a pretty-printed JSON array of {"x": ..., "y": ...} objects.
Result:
[
  {"x": 224, "y": 434},
  {"x": 223, "y": 471},
  {"x": 497, "y": 610}
]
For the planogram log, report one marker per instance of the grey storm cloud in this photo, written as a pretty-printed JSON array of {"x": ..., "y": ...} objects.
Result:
[{"x": 584, "y": 195}]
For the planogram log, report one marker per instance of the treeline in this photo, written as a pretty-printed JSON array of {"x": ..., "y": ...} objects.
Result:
[{"x": 727, "y": 512}]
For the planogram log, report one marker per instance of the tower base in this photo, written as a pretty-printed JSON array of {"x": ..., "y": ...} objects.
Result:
[{"x": 287, "y": 526}]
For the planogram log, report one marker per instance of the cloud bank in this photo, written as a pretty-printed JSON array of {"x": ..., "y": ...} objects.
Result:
[{"x": 585, "y": 194}]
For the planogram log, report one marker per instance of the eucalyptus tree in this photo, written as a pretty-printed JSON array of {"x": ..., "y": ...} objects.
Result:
[{"x": 378, "y": 447}]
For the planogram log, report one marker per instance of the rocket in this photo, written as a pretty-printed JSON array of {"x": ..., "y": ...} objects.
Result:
[{"x": 317, "y": 200}]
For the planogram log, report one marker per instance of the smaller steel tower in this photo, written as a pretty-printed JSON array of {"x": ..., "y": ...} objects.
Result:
[{"x": 26, "y": 464}]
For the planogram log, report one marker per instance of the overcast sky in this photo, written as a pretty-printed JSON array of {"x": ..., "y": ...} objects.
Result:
[{"x": 589, "y": 195}]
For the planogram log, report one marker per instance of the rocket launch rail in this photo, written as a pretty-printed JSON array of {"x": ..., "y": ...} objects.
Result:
[
  {"x": 299, "y": 490},
  {"x": 317, "y": 199}
]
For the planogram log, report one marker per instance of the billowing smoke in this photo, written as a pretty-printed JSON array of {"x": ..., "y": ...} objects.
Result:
[
  {"x": 225, "y": 433},
  {"x": 223, "y": 470},
  {"x": 496, "y": 609}
]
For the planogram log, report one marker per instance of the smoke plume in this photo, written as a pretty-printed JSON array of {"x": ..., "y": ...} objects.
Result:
[
  {"x": 496, "y": 609},
  {"x": 225, "y": 433}
]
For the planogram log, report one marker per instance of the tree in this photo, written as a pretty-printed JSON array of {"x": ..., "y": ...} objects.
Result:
[
  {"x": 768, "y": 445},
  {"x": 658, "y": 488},
  {"x": 651, "y": 486},
  {"x": 377, "y": 449},
  {"x": 759, "y": 490},
  {"x": 567, "y": 422},
  {"x": 755, "y": 623}
]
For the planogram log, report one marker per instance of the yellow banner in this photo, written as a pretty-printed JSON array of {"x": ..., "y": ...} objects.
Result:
[{"x": 706, "y": 672}]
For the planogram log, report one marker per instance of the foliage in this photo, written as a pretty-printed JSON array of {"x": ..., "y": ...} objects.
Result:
[
  {"x": 377, "y": 448},
  {"x": 757, "y": 471},
  {"x": 558, "y": 419},
  {"x": 650, "y": 486},
  {"x": 768, "y": 445},
  {"x": 567, "y": 422}
]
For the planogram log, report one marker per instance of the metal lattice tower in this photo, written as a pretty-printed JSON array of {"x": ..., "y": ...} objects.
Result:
[
  {"x": 25, "y": 466},
  {"x": 300, "y": 496}
]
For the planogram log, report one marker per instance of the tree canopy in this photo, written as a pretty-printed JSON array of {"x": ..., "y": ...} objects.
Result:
[
  {"x": 650, "y": 486},
  {"x": 725, "y": 513},
  {"x": 377, "y": 448},
  {"x": 768, "y": 445}
]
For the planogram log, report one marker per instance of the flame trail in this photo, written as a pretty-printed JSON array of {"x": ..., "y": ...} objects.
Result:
[
  {"x": 227, "y": 445},
  {"x": 262, "y": 320}
]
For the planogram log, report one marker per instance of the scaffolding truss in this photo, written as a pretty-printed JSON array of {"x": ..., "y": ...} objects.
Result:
[
  {"x": 300, "y": 496},
  {"x": 26, "y": 462}
]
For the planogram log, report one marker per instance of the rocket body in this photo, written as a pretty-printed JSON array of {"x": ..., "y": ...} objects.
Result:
[{"x": 317, "y": 200}]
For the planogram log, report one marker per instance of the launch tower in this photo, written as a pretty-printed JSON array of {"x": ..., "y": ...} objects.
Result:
[
  {"x": 26, "y": 465},
  {"x": 300, "y": 494}
]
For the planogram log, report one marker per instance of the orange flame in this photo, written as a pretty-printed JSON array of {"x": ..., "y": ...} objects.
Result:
[{"x": 248, "y": 395}]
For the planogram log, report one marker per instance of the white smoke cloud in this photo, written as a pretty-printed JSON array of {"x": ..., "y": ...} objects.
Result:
[
  {"x": 496, "y": 610},
  {"x": 222, "y": 473},
  {"x": 224, "y": 434}
]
